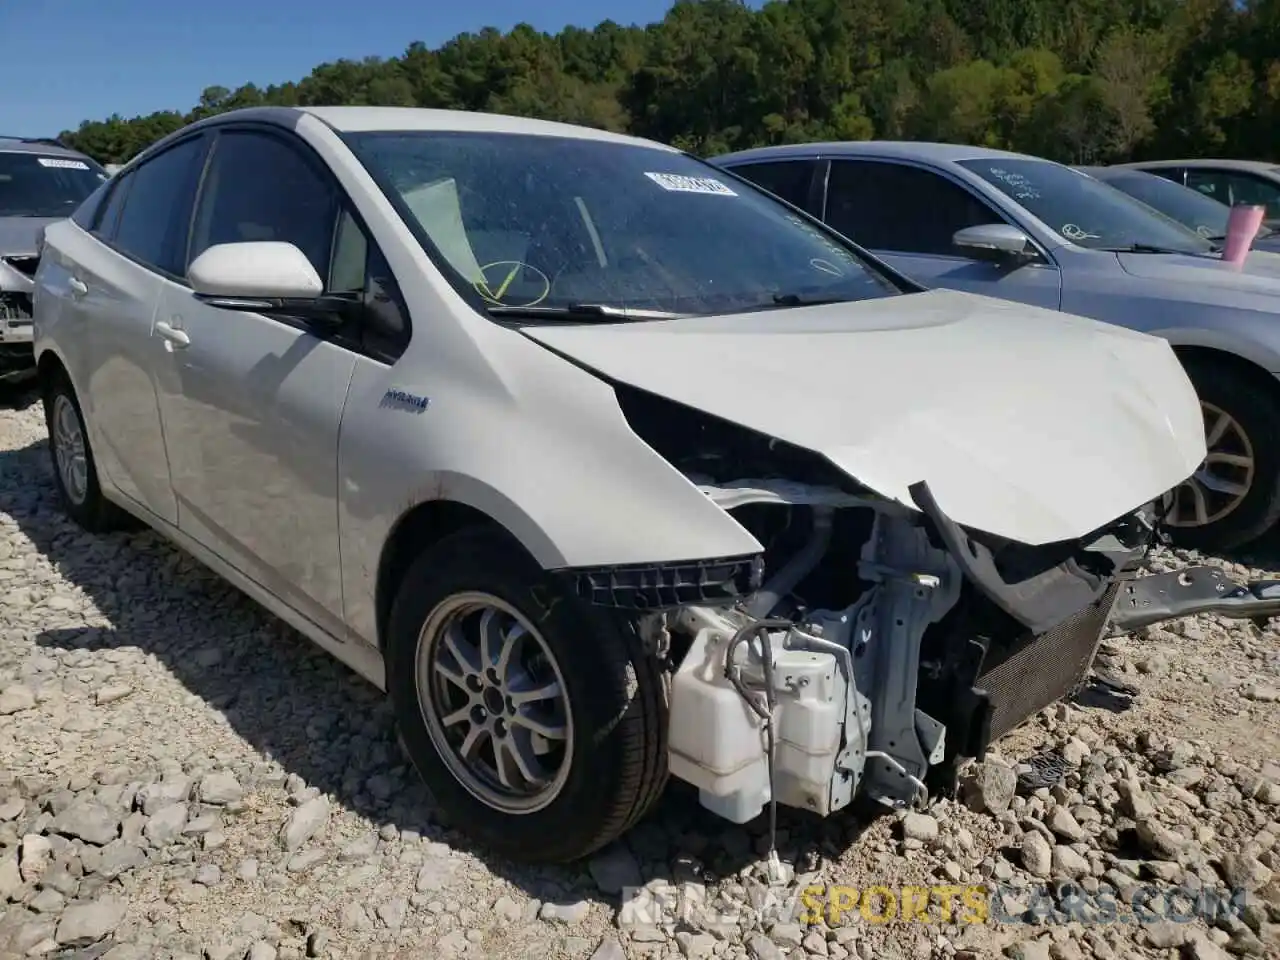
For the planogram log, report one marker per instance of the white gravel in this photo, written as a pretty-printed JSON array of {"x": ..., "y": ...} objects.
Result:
[{"x": 181, "y": 776}]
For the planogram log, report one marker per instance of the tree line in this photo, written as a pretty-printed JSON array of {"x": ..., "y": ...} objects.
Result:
[{"x": 1081, "y": 81}]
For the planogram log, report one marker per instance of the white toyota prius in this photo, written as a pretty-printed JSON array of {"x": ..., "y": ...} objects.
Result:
[{"x": 604, "y": 464}]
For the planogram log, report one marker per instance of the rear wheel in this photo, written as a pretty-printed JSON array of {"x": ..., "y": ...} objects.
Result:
[
  {"x": 537, "y": 721},
  {"x": 74, "y": 471},
  {"x": 1234, "y": 496}
]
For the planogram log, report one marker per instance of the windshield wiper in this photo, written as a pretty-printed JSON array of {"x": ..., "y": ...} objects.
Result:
[
  {"x": 1148, "y": 248},
  {"x": 795, "y": 300},
  {"x": 587, "y": 312}
]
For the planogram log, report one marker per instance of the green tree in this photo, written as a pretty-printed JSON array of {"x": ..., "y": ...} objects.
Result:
[{"x": 1084, "y": 80}]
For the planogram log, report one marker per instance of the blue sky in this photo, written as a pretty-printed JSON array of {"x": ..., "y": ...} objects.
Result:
[{"x": 71, "y": 60}]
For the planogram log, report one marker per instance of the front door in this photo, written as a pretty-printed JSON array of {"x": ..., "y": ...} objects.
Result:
[
  {"x": 907, "y": 215},
  {"x": 252, "y": 404}
]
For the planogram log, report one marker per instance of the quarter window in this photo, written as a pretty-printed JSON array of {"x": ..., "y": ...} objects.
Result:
[
  {"x": 359, "y": 271},
  {"x": 899, "y": 208},
  {"x": 87, "y": 212},
  {"x": 109, "y": 217}
]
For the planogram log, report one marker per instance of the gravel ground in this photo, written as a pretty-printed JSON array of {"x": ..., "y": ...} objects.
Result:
[{"x": 181, "y": 776}]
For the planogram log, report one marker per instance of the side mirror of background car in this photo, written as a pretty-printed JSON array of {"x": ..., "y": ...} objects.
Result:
[
  {"x": 263, "y": 276},
  {"x": 998, "y": 241}
]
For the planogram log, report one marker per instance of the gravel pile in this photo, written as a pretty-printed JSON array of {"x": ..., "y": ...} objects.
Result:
[{"x": 181, "y": 776}]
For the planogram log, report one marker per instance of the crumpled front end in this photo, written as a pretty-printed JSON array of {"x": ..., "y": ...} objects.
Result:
[
  {"x": 17, "y": 283},
  {"x": 875, "y": 644},
  {"x": 880, "y": 651},
  {"x": 951, "y": 493}
]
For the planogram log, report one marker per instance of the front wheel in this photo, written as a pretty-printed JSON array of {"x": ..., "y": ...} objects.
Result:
[
  {"x": 537, "y": 721},
  {"x": 1234, "y": 497}
]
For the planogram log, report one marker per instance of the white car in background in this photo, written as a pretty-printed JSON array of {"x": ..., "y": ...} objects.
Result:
[
  {"x": 1026, "y": 229},
  {"x": 603, "y": 464}
]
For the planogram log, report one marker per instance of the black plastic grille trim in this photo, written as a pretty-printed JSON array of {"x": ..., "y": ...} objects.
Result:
[{"x": 663, "y": 586}]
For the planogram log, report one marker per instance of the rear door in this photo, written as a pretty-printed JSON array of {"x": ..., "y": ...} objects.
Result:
[
  {"x": 908, "y": 214},
  {"x": 108, "y": 281}
]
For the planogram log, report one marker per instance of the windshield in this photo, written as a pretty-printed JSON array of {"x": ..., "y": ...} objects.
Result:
[
  {"x": 36, "y": 186},
  {"x": 1083, "y": 210},
  {"x": 1190, "y": 208},
  {"x": 553, "y": 223}
]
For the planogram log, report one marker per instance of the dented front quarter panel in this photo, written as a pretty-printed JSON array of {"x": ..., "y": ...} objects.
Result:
[{"x": 523, "y": 436}]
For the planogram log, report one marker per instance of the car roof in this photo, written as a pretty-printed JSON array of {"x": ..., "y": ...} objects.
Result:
[
  {"x": 1101, "y": 172},
  {"x": 1259, "y": 166},
  {"x": 398, "y": 119},
  {"x": 899, "y": 149},
  {"x": 45, "y": 148}
]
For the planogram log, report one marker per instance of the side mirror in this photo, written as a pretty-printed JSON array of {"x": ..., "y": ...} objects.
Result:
[
  {"x": 258, "y": 270},
  {"x": 265, "y": 276},
  {"x": 995, "y": 240}
]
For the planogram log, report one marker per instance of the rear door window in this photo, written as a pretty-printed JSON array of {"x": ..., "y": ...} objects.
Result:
[
  {"x": 788, "y": 179},
  {"x": 157, "y": 210}
]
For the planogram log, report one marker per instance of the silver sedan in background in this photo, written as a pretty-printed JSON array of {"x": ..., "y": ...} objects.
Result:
[
  {"x": 1230, "y": 181},
  {"x": 1027, "y": 229},
  {"x": 1193, "y": 209}
]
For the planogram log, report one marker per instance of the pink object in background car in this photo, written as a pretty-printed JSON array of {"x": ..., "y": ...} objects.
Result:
[{"x": 1242, "y": 227}]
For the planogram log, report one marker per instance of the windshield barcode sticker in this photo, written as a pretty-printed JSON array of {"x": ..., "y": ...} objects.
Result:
[
  {"x": 62, "y": 164},
  {"x": 682, "y": 184}
]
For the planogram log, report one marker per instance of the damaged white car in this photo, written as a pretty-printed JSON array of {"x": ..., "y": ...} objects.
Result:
[{"x": 604, "y": 464}]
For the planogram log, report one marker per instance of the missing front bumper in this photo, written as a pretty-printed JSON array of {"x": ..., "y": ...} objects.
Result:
[{"x": 1148, "y": 600}]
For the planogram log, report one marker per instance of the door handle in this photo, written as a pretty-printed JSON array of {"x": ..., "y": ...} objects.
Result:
[
  {"x": 172, "y": 335},
  {"x": 78, "y": 287}
]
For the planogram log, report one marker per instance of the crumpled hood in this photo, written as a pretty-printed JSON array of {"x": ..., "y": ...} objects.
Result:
[
  {"x": 1260, "y": 272},
  {"x": 1026, "y": 423},
  {"x": 18, "y": 235}
]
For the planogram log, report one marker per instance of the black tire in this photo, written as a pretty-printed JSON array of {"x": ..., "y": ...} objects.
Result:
[
  {"x": 616, "y": 692},
  {"x": 94, "y": 512},
  {"x": 1255, "y": 406}
]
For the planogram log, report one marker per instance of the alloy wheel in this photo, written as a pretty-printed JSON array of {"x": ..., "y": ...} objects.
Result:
[
  {"x": 495, "y": 702},
  {"x": 1223, "y": 479}
]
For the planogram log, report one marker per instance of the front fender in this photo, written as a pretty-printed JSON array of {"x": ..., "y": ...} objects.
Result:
[
  {"x": 551, "y": 459},
  {"x": 1254, "y": 340}
]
